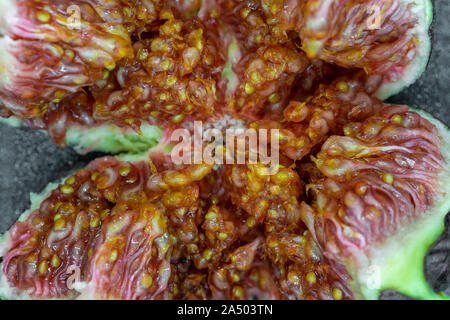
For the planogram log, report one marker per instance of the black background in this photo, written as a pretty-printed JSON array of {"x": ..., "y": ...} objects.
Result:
[{"x": 29, "y": 160}]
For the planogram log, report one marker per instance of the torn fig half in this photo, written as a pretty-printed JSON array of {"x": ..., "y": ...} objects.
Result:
[{"x": 380, "y": 199}]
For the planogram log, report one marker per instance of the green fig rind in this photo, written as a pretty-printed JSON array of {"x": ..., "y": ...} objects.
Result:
[{"x": 105, "y": 138}]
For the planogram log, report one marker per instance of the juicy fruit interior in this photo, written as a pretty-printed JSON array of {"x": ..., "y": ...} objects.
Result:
[
  {"x": 381, "y": 200},
  {"x": 406, "y": 252},
  {"x": 423, "y": 10},
  {"x": 248, "y": 241},
  {"x": 237, "y": 234},
  {"x": 75, "y": 229},
  {"x": 156, "y": 63},
  {"x": 115, "y": 218}
]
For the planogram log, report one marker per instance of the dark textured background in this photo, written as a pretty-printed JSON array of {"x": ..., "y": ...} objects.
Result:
[{"x": 29, "y": 160}]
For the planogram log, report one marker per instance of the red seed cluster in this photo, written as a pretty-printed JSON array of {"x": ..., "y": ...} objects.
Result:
[
  {"x": 273, "y": 204},
  {"x": 373, "y": 35},
  {"x": 173, "y": 78},
  {"x": 381, "y": 173},
  {"x": 264, "y": 80},
  {"x": 121, "y": 230},
  {"x": 306, "y": 123},
  {"x": 53, "y": 49},
  {"x": 109, "y": 226}
]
